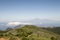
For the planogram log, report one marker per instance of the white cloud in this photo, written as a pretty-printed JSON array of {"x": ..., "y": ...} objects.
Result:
[
  {"x": 18, "y": 23},
  {"x": 13, "y": 23}
]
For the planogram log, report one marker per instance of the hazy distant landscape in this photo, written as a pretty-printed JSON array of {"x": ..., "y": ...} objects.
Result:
[
  {"x": 36, "y": 22},
  {"x": 29, "y": 19}
]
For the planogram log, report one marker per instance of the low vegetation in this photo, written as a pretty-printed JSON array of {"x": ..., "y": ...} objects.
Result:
[{"x": 29, "y": 32}]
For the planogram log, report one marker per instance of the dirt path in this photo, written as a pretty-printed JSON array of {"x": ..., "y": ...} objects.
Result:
[
  {"x": 2, "y": 39},
  {"x": 8, "y": 39}
]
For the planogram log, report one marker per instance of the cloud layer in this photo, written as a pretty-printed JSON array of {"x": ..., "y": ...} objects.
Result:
[{"x": 18, "y": 23}]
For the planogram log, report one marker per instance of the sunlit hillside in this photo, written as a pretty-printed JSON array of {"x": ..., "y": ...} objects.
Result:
[{"x": 29, "y": 32}]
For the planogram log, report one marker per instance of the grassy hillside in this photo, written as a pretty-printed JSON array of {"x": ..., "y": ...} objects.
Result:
[
  {"x": 54, "y": 29},
  {"x": 29, "y": 32}
]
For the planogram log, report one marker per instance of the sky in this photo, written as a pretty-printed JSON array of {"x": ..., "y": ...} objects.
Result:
[{"x": 15, "y": 10}]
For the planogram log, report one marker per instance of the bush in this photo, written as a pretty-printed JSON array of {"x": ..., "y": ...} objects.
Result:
[
  {"x": 1, "y": 35},
  {"x": 53, "y": 38},
  {"x": 24, "y": 38},
  {"x": 12, "y": 38}
]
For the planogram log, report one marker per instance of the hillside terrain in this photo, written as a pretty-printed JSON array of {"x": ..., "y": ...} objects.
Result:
[
  {"x": 28, "y": 32},
  {"x": 54, "y": 29}
]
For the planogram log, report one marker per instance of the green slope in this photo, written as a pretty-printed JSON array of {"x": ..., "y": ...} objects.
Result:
[
  {"x": 54, "y": 29},
  {"x": 30, "y": 32}
]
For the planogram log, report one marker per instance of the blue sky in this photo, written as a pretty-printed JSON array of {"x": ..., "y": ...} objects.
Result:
[{"x": 14, "y": 10}]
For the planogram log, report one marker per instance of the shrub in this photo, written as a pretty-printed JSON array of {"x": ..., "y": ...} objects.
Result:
[
  {"x": 12, "y": 38},
  {"x": 1, "y": 35},
  {"x": 53, "y": 38},
  {"x": 24, "y": 38}
]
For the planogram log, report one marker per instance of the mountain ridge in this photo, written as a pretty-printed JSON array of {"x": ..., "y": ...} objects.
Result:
[{"x": 31, "y": 32}]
